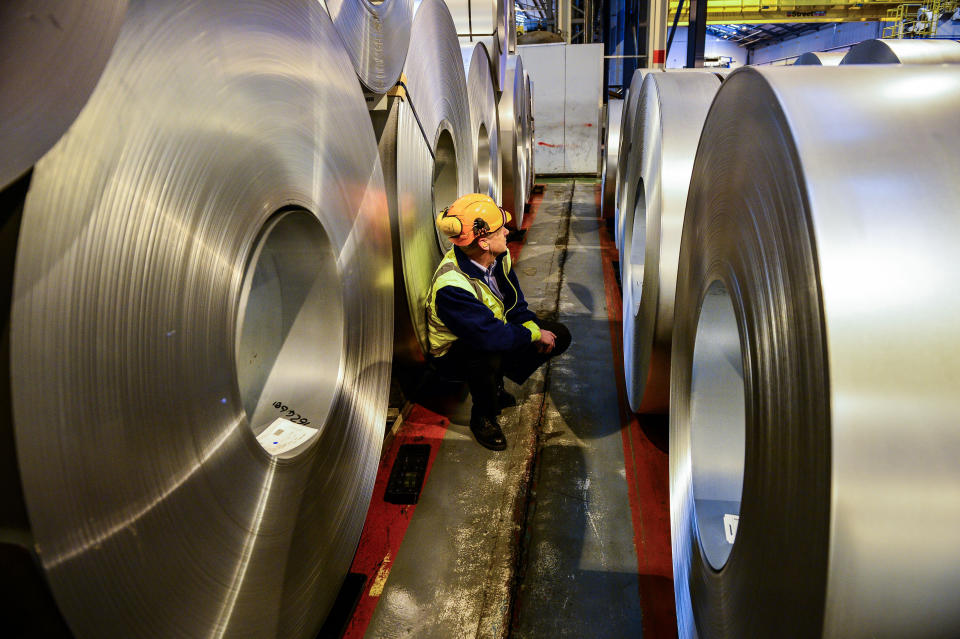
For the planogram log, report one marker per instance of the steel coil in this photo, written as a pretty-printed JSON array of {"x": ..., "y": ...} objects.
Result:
[
  {"x": 376, "y": 36},
  {"x": 533, "y": 137},
  {"x": 511, "y": 27},
  {"x": 611, "y": 157},
  {"x": 427, "y": 157},
  {"x": 670, "y": 114},
  {"x": 527, "y": 137},
  {"x": 632, "y": 168},
  {"x": 510, "y": 109},
  {"x": 484, "y": 124},
  {"x": 528, "y": 133},
  {"x": 626, "y": 161},
  {"x": 813, "y": 413},
  {"x": 484, "y": 21},
  {"x": 903, "y": 52},
  {"x": 205, "y": 251},
  {"x": 624, "y": 195},
  {"x": 52, "y": 54},
  {"x": 821, "y": 58}
]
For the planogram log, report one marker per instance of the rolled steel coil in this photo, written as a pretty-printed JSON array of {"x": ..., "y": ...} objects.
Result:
[
  {"x": 822, "y": 58},
  {"x": 631, "y": 167},
  {"x": 511, "y": 27},
  {"x": 205, "y": 252},
  {"x": 917, "y": 51},
  {"x": 611, "y": 157},
  {"x": 484, "y": 21},
  {"x": 52, "y": 54},
  {"x": 533, "y": 137},
  {"x": 670, "y": 114},
  {"x": 623, "y": 189},
  {"x": 524, "y": 131},
  {"x": 626, "y": 162},
  {"x": 427, "y": 156},
  {"x": 512, "y": 145},
  {"x": 484, "y": 124},
  {"x": 813, "y": 412},
  {"x": 376, "y": 36},
  {"x": 527, "y": 135}
]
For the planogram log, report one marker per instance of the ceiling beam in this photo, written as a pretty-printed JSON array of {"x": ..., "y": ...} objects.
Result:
[{"x": 791, "y": 11}]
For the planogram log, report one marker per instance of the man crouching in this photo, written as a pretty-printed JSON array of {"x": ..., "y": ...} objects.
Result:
[{"x": 478, "y": 324}]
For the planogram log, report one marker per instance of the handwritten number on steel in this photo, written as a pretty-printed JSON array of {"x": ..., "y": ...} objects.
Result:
[{"x": 291, "y": 415}]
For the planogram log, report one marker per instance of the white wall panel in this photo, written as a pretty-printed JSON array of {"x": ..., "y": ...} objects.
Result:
[
  {"x": 568, "y": 94},
  {"x": 830, "y": 38},
  {"x": 584, "y": 98},
  {"x": 545, "y": 64}
]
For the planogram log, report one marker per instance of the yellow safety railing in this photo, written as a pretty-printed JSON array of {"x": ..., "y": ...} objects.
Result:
[
  {"x": 917, "y": 20},
  {"x": 773, "y": 11}
]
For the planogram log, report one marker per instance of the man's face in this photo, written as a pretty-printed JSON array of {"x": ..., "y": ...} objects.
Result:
[{"x": 497, "y": 241}]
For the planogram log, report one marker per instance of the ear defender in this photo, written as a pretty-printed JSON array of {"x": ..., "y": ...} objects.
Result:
[{"x": 450, "y": 225}]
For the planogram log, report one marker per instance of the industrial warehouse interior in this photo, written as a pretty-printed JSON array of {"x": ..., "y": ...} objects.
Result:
[{"x": 285, "y": 289}]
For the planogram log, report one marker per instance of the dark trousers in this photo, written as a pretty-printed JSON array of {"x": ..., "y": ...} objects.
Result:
[{"x": 484, "y": 370}]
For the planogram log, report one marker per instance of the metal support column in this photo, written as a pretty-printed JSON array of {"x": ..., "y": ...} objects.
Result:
[
  {"x": 657, "y": 34},
  {"x": 696, "y": 33},
  {"x": 578, "y": 20}
]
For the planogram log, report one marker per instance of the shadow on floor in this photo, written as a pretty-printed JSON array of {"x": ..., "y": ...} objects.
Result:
[{"x": 566, "y": 590}]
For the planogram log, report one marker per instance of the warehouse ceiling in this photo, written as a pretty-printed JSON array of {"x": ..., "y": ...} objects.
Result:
[{"x": 536, "y": 11}]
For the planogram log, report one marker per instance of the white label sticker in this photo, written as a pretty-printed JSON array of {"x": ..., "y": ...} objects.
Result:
[
  {"x": 730, "y": 523},
  {"x": 283, "y": 435}
]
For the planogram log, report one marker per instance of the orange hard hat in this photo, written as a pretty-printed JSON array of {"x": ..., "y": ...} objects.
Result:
[{"x": 470, "y": 217}]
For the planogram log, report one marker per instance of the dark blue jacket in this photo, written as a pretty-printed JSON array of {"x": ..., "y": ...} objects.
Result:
[{"x": 470, "y": 319}]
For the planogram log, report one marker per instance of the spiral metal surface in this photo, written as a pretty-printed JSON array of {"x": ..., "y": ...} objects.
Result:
[
  {"x": 511, "y": 27},
  {"x": 821, "y": 58},
  {"x": 376, "y": 36},
  {"x": 510, "y": 109},
  {"x": 918, "y": 51},
  {"x": 626, "y": 161},
  {"x": 528, "y": 133},
  {"x": 427, "y": 156},
  {"x": 631, "y": 167},
  {"x": 484, "y": 124},
  {"x": 51, "y": 56},
  {"x": 207, "y": 242},
  {"x": 813, "y": 386},
  {"x": 484, "y": 21},
  {"x": 670, "y": 114},
  {"x": 533, "y": 136},
  {"x": 611, "y": 157}
]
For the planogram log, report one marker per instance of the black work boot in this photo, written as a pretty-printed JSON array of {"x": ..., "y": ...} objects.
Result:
[{"x": 487, "y": 432}]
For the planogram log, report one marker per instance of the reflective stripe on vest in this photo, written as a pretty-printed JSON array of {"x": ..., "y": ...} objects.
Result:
[{"x": 439, "y": 338}]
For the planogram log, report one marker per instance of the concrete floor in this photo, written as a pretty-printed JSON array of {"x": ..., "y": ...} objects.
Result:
[
  {"x": 581, "y": 571},
  {"x": 541, "y": 540}
]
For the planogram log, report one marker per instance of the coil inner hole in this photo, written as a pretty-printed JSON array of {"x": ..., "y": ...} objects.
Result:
[
  {"x": 290, "y": 331},
  {"x": 444, "y": 180},
  {"x": 717, "y": 425},
  {"x": 638, "y": 248},
  {"x": 483, "y": 161}
]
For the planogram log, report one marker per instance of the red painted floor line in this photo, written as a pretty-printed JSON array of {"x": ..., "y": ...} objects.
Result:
[
  {"x": 387, "y": 523},
  {"x": 528, "y": 217},
  {"x": 647, "y": 475}
]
